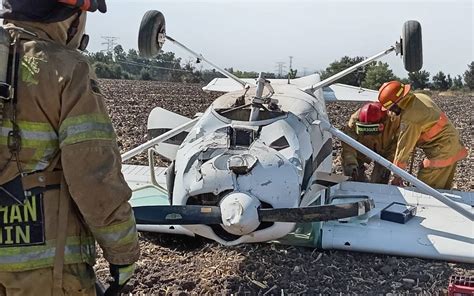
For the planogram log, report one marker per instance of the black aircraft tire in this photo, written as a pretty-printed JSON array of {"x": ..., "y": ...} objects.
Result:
[
  {"x": 412, "y": 49},
  {"x": 153, "y": 24}
]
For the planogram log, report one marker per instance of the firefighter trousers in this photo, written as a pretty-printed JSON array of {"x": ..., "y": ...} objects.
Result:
[
  {"x": 78, "y": 279},
  {"x": 439, "y": 178}
]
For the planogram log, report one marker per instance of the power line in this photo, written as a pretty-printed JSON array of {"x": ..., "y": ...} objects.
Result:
[{"x": 151, "y": 66}]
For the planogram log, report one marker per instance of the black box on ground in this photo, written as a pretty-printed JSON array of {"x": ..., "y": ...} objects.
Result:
[{"x": 398, "y": 212}]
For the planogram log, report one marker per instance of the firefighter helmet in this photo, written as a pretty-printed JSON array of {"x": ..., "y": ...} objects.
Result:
[
  {"x": 370, "y": 119},
  {"x": 86, "y": 5},
  {"x": 391, "y": 93},
  {"x": 48, "y": 11},
  {"x": 371, "y": 113}
]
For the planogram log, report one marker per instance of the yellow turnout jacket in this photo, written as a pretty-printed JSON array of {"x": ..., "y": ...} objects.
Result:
[
  {"x": 64, "y": 128},
  {"x": 424, "y": 125}
]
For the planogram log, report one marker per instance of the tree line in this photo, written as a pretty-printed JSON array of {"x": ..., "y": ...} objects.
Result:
[
  {"x": 129, "y": 65},
  {"x": 167, "y": 67}
]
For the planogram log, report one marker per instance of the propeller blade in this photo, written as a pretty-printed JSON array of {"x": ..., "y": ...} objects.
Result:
[
  {"x": 177, "y": 215},
  {"x": 317, "y": 213},
  {"x": 194, "y": 214}
]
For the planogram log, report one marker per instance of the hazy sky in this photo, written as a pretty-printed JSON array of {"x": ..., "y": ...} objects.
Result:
[{"x": 255, "y": 35}]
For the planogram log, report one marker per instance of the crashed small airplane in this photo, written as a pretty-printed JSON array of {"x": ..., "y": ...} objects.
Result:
[{"x": 256, "y": 167}]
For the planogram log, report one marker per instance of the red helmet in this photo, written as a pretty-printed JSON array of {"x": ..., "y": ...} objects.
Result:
[{"x": 371, "y": 113}]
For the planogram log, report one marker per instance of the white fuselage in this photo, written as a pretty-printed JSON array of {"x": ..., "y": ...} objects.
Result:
[{"x": 241, "y": 165}]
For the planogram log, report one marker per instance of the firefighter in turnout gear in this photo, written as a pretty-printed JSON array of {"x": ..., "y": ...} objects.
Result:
[
  {"x": 374, "y": 129},
  {"x": 423, "y": 125},
  {"x": 61, "y": 186}
]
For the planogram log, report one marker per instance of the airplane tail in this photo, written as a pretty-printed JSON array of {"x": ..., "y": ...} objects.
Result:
[{"x": 160, "y": 121}]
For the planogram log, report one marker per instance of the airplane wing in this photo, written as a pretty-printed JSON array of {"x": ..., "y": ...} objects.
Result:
[
  {"x": 333, "y": 93},
  {"x": 226, "y": 84},
  {"x": 342, "y": 92},
  {"x": 229, "y": 85},
  {"x": 144, "y": 193},
  {"x": 425, "y": 235}
]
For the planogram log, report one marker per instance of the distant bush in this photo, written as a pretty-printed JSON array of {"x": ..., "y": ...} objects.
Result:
[
  {"x": 377, "y": 75},
  {"x": 355, "y": 78},
  {"x": 145, "y": 75},
  {"x": 102, "y": 70},
  {"x": 469, "y": 76}
]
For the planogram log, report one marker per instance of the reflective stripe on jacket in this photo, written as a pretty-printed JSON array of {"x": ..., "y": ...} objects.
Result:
[
  {"x": 32, "y": 257},
  {"x": 86, "y": 127},
  {"x": 441, "y": 163},
  {"x": 435, "y": 129},
  {"x": 38, "y": 139},
  {"x": 424, "y": 125}
]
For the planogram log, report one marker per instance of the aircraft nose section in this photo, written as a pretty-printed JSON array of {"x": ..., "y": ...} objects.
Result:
[{"x": 239, "y": 213}]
